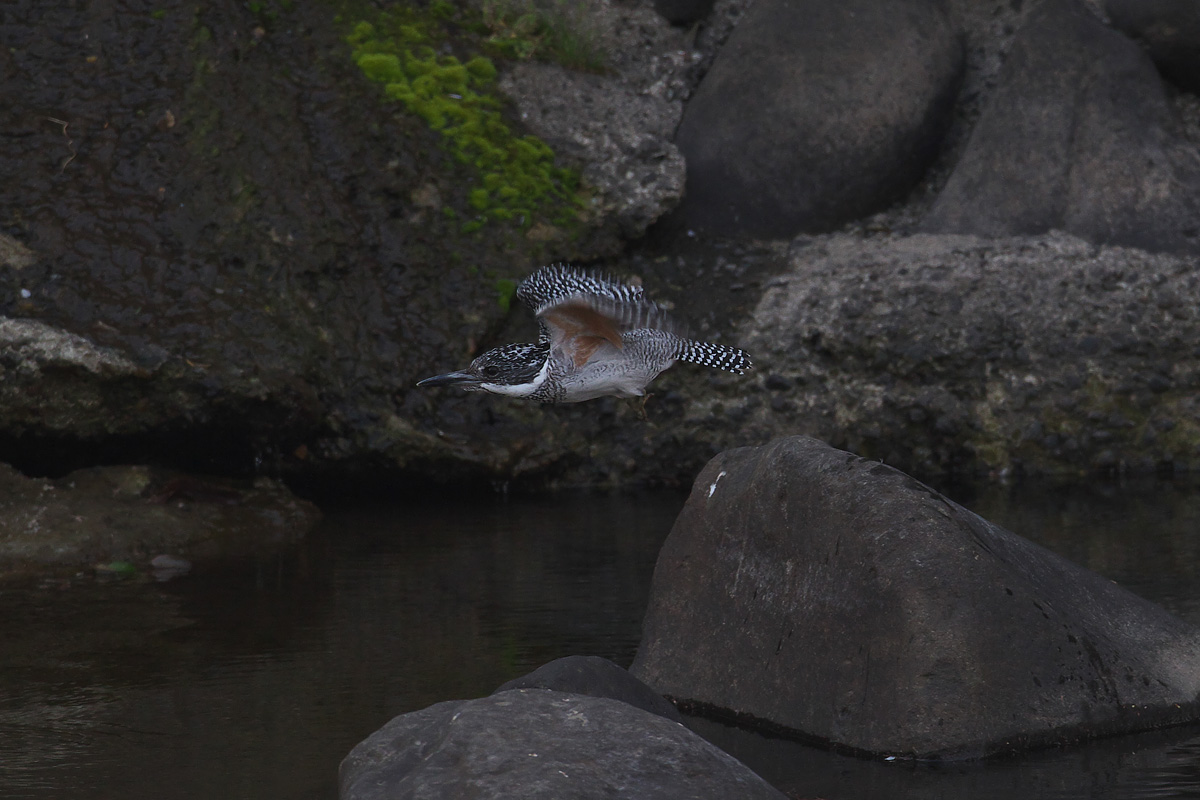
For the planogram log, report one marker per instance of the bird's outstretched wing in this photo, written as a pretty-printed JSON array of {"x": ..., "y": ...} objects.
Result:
[
  {"x": 553, "y": 284},
  {"x": 579, "y": 312}
]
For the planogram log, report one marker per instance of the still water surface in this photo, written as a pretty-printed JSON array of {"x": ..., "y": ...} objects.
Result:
[{"x": 252, "y": 680}]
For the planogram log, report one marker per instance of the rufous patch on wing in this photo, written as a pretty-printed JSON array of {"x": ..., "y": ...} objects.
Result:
[
  {"x": 585, "y": 347},
  {"x": 575, "y": 319}
]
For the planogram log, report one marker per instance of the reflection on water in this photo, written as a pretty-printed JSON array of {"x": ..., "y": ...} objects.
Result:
[{"x": 254, "y": 679}]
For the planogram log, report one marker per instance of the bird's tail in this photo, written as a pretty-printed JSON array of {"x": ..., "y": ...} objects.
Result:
[{"x": 718, "y": 356}]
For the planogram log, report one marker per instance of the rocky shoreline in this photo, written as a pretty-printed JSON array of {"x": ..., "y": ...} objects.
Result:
[
  {"x": 823, "y": 598},
  {"x": 1018, "y": 300}
]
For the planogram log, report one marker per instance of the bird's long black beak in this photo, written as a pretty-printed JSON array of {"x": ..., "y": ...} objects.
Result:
[{"x": 451, "y": 379}]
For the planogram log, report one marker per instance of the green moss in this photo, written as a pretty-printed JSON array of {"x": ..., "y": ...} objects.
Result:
[
  {"x": 381, "y": 67},
  {"x": 506, "y": 289},
  {"x": 482, "y": 69},
  {"x": 479, "y": 199},
  {"x": 557, "y": 30},
  {"x": 517, "y": 176}
]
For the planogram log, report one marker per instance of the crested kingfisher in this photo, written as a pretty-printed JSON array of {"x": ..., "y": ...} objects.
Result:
[{"x": 596, "y": 337}]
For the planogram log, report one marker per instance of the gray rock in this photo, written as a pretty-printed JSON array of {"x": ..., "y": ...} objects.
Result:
[
  {"x": 15, "y": 255},
  {"x": 1078, "y": 135},
  {"x": 126, "y": 513},
  {"x": 937, "y": 353},
  {"x": 595, "y": 677},
  {"x": 616, "y": 126},
  {"x": 29, "y": 346},
  {"x": 816, "y": 113},
  {"x": 1170, "y": 30},
  {"x": 840, "y": 599},
  {"x": 534, "y": 743},
  {"x": 621, "y": 139}
]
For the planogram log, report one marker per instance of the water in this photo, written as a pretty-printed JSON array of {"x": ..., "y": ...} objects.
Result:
[{"x": 252, "y": 680}]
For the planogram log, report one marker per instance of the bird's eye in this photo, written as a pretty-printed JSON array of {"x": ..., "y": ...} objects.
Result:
[{"x": 491, "y": 371}]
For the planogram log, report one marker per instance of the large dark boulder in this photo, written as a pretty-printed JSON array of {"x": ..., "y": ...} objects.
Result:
[
  {"x": 1078, "y": 136},
  {"x": 595, "y": 677},
  {"x": 1170, "y": 31},
  {"x": 816, "y": 113},
  {"x": 836, "y": 598},
  {"x": 535, "y": 743}
]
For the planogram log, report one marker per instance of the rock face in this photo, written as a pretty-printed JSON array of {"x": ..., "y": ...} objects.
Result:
[
  {"x": 1170, "y": 30},
  {"x": 815, "y": 591},
  {"x": 134, "y": 514},
  {"x": 938, "y": 353},
  {"x": 1078, "y": 135},
  {"x": 534, "y": 743},
  {"x": 816, "y": 113},
  {"x": 595, "y": 677},
  {"x": 623, "y": 141},
  {"x": 270, "y": 252}
]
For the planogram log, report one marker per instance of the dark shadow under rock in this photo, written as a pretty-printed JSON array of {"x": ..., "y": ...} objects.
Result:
[
  {"x": 533, "y": 744},
  {"x": 595, "y": 677},
  {"x": 836, "y": 599},
  {"x": 1170, "y": 31}
]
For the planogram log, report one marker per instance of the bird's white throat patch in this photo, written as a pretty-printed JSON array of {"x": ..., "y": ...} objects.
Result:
[{"x": 519, "y": 389}]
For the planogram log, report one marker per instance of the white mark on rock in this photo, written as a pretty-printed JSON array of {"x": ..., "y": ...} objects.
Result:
[{"x": 713, "y": 486}]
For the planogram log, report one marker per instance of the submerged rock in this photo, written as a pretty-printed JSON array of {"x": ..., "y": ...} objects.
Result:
[
  {"x": 530, "y": 744},
  {"x": 595, "y": 677},
  {"x": 129, "y": 515},
  {"x": 807, "y": 590}
]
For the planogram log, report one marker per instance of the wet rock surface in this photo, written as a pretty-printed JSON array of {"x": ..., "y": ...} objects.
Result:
[
  {"x": 815, "y": 114},
  {"x": 595, "y": 677},
  {"x": 808, "y": 590},
  {"x": 535, "y": 743},
  {"x": 142, "y": 519}
]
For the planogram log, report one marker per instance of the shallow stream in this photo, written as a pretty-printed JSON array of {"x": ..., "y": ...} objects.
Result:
[{"x": 253, "y": 679}]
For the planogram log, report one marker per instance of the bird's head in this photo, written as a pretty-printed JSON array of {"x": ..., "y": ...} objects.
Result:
[{"x": 515, "y": 369}]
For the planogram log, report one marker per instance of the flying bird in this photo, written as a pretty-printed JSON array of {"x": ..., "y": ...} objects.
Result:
[{"x": 597, "y": 337}]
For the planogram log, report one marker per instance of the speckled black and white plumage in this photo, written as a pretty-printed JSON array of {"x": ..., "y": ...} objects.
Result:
[{"x": 598, "y": 337}]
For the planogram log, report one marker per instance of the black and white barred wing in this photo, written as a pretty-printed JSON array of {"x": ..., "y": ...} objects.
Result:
[
  {"x": 717, "y": 356},
  {"x": 578, "y": 310},
  {"x": 554, "y": 284},
  {"x": 581, "y": 313}
]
